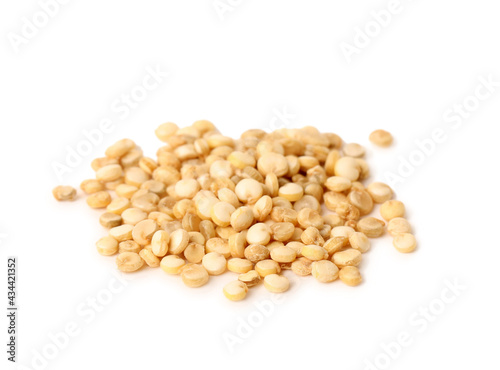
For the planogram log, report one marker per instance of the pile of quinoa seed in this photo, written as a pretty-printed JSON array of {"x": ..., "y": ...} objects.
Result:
[{"x": 254, "y": 206}]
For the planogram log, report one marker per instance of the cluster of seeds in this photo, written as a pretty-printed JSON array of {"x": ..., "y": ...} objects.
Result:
[{"x": 292, "y": 200}]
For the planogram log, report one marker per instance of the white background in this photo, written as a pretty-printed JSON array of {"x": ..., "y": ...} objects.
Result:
[{"x": 263, "y": 57}]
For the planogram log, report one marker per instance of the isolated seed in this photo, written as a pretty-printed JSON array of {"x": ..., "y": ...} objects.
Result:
[
  {"x": 371, "y": 227},
  {"x": 398, "y": 226},
  {"x": 235, "y": 290},
  {"x": 381, "y": 138},
  {"x": 239, "y": 265},
  {"x": 349, "y": 257},
  {"x": 392, "y": 209},
  {"x": 379, "y": 192},
  {"x": 62, "y": 193},
  {"x": 149, "y": 257},
  {"x": 107, "y": 246},
  {"x": 172, "y": 264},
  {"x": 110, "y": 220},
  {"x": 120, "y": 148},
  {"x": 302, "y": 266},
  {"x": 194, "y": 252},
  {"x": 325, "y": 271},
  {"x": 267, "y": 267},
  {"x": 214, "y": 263},
  {"x": 194, "y": 276},
  {"x": 405, "y": 243},
  {"x": 276, "y": 283},
  {"x": 350, "y": 275},
  {"x": 129, "y": 262},
  {"x": 251, "y": 278}
]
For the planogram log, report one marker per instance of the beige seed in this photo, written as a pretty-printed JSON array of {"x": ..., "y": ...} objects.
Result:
[
  {"x": 91, "y": 186},
  {"x": 381, "y": 138},
  {"x": 101, "y": 199},
  {"x": 354, "y": 150},
  {"x": 143, "y": 231},
  {"x": 228, "y": 196},
  {"x": 241, "y": 159},
  {"x": 187, "y": 188},
  {"x": 239, "y": 265},
  {"x": 370, "y": 226},
  {"x": 214, "y": 263},
  {"x": 272, "y": 163},
  {"x": 347, "y": 167},
  {"x": 350, "y": 275},
  {"x": 136, "y": 176},
  {"x": 349, "y": 257},
  {"x": 338, "y": 183},
  {"x": 398, "y": 226},
  {"x": 360, "y": 242},
  {"x": 166, "y": 130},
  {"x": 218, "y": 245},
  {"x": 404, "y": 243},
  {"x": 256, "y": 252},
  {"x": 242, "y": 218},
  {"x": 259, "y": 233},
  {"x": 194, "y": 252},
  {"x": 272, "y": 184},
  {"x": 126, "y": 191},
  {"x": 120, "y": 148},
  {"x": 107, "y": 246},
  {"x": 344, "y": 231},
  {"x": 133, "y": 216},
  {"x": 282, "y": 231},
  {"x": 302, "y": 266},
  {"x": 121, "y": 233},
  {"x": 179, "y": 240},
  {"x": 361, "y": 200},
  {"x": 248, "y": 191},
  {"x": 129, "y": 246},
  {"x": 267, "y": 267},
  {"x": 307, "y": 201},
  {"x": 101, "y": 162},
  {"x": 172, "y": 264},
  {"x": 333, "y": 200},
  {"x": 308, "y": 217},
  {"x": 392, "y": 209},
  {"x": 118, "y": 205},
  {"x": 314, "y": 252},
  {"x": 110, "y": 220},
  {"x": 147, "y": 202},
  {"x": 335, "y": 244},
  {"x": 333, "y": 220},
  {"x": 251, "y": 278},
  {"x": 132, "y": 158},
  {"x": 292, "y": 192},
  {"x": 235, "y": 290},
  {"x": 325, "y": 271},
  {"x": 159, "y": 243},
  {"x": 276, "y": 283},
  {"x": 380, "y": 192},
  {"x": 149, "y": 257},
  {"x": 109, "y": 173},
  {"x": 129, "y": 262},
  {"x": 262, "y": 208},
  {"x": 221, "y": 213},
  {"x": 194, "y": 276},
  {"x": 311, "y": 235},
  {"x": 63, "y": 193},
  {"x": 283, "y": 254}
]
